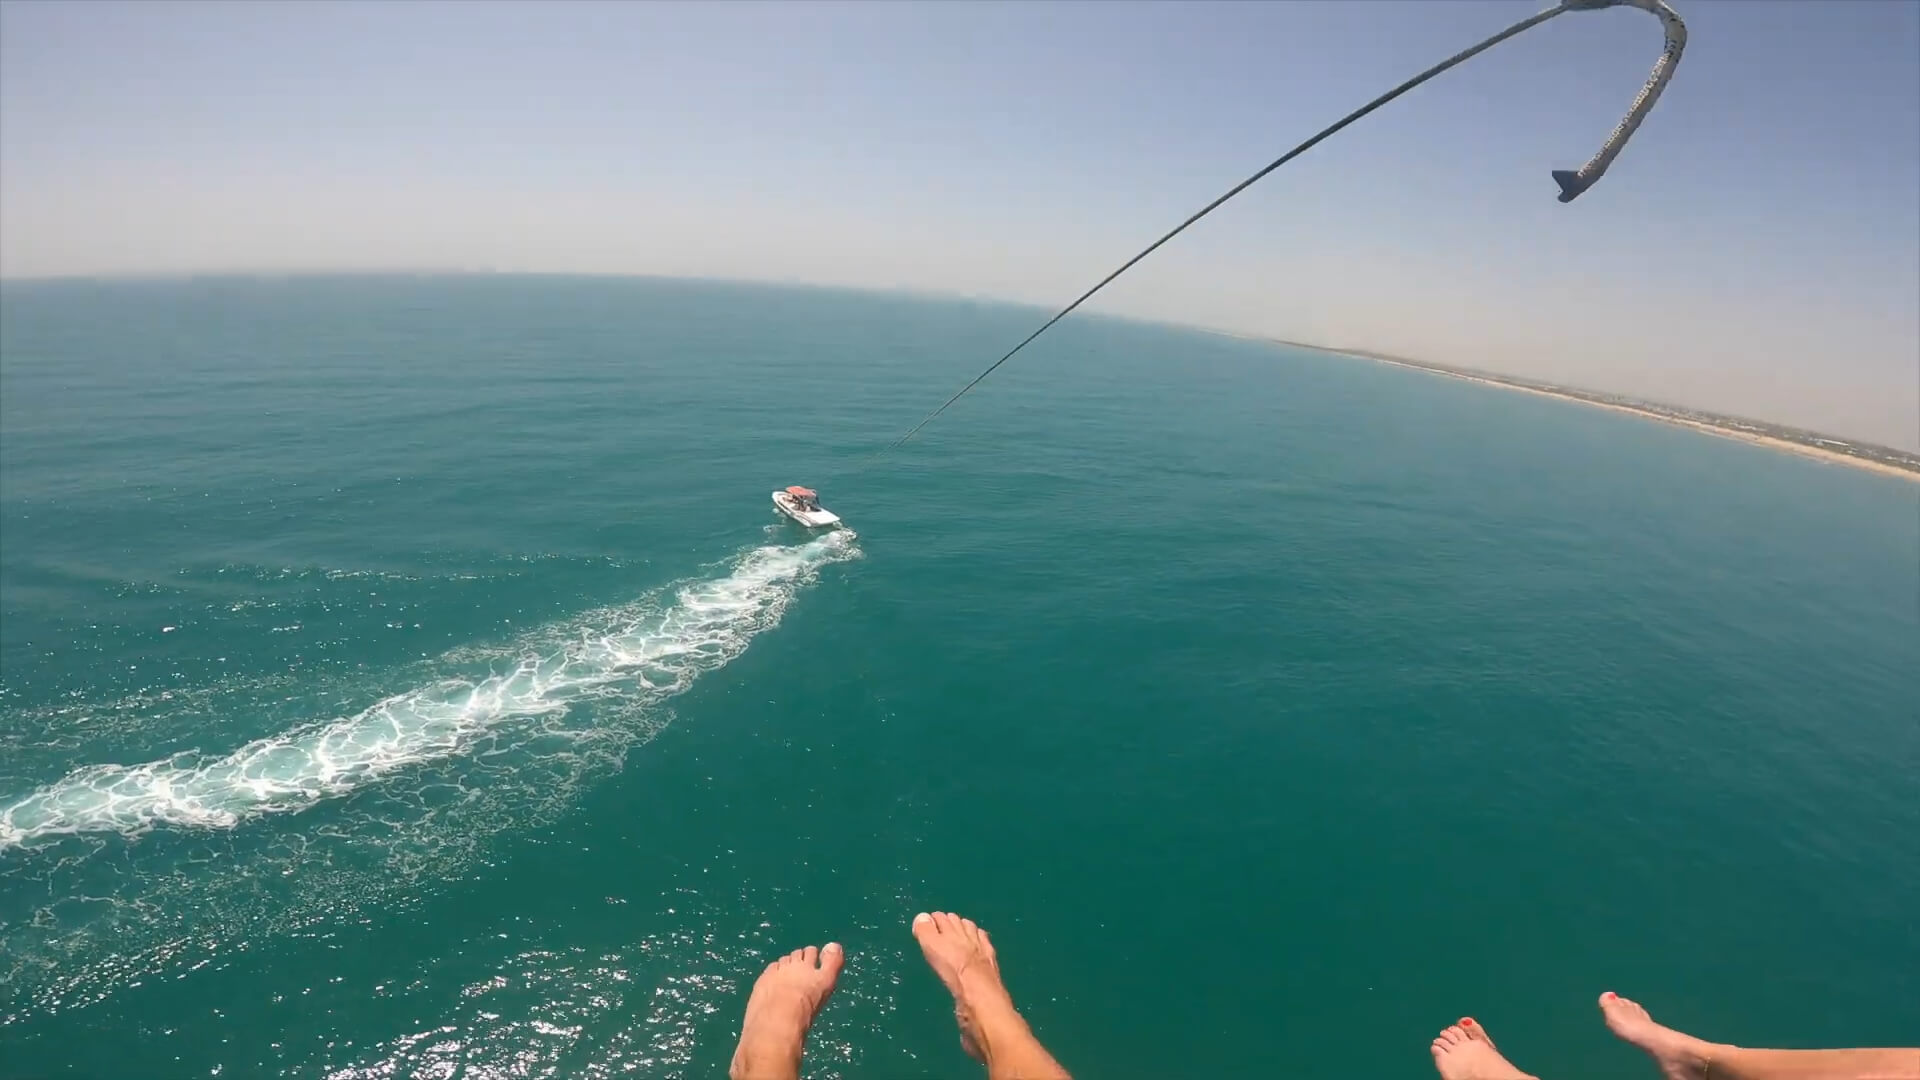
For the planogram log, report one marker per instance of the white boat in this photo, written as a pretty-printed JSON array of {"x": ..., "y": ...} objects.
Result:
[{"x": 803, "y": 505}]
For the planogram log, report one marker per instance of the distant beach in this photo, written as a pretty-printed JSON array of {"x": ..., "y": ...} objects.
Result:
[{"x": 1888, "y": 460}]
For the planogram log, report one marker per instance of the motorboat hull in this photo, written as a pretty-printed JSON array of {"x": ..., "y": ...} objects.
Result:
[{"x": 817, "y": 518}]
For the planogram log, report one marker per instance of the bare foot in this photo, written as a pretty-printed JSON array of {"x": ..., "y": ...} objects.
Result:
[
  {"x": 962, "y": 955},
  {"x": 785, "y": 1000},
  {"x": 1679, "y": 1055},
  {"x": 1465, "y": 1052},
  {"x": 991, "y": 1030}
]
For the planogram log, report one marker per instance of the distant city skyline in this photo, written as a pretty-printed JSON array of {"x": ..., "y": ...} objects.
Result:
[{"x": 1756, "y": 250}]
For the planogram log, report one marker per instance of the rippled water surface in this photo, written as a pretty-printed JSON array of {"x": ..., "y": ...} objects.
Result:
[{"x": 408, "y": 677}]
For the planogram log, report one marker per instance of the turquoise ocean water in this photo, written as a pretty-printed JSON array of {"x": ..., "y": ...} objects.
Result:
[{"x": 408, "y": 678}]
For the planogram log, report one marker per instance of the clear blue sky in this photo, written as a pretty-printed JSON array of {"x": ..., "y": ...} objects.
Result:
[{"x": 1756, "y": 249}]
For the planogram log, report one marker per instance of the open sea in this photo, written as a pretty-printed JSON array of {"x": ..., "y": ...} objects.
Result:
[{"x": 408, "y": 677}]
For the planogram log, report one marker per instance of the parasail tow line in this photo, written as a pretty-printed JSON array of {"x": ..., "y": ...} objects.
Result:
[{"x": 1572, "y": 182}]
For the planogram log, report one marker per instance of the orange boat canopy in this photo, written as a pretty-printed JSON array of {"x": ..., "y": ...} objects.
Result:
[{"x": 805, "y": 493}]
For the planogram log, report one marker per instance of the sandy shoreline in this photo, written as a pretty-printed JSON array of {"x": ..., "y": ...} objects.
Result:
[
  {"x": 1791, "y": 447},
  {"x": 1802, "y": 449}
]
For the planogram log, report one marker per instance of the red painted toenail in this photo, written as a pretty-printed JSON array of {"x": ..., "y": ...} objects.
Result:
[{"x": 1466, "y": 1021}]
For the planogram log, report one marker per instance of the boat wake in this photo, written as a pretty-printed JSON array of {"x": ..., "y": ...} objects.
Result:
[
  {"x": 113, "y": 871},
  {"x": 636, "y": 654}
]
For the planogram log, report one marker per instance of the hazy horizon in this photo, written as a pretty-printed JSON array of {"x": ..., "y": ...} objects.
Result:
[{"x": 1756, "y": 250}]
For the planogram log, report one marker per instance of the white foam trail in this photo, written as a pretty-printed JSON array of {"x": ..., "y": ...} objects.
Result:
[{"x": 639, "y": 653}]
